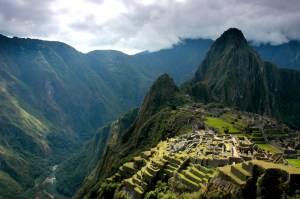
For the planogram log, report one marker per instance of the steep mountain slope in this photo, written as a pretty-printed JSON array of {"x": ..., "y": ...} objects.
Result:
[
  {"x": 72, "y": 172},
  {"x": 171, "y": 153},
  {"x": 234, "y": 74},
  {"x": 51, "y": 101},
  {"x": 53, "y": 98},
  {"x": 159, "y": 118}
]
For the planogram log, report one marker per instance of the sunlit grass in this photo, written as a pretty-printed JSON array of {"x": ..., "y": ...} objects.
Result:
[
  {"x": 268, "y": 147},
  {"x": 294, "y": 162},
  {"x": 29, "y": 121},
  {"x": 220, "y": 124}
]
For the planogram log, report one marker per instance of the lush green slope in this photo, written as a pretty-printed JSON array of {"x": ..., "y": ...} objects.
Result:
[
  {"x": 53, "y": 97},
  {"x": 72, "y": 172},
  {"x": 159, "y": 118},
  {"x": 234, "y": 74},
  {"x": 9, "y": 187}
]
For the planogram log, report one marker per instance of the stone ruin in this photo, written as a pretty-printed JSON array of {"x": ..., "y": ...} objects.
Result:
[{"x": 191, "y": 160}]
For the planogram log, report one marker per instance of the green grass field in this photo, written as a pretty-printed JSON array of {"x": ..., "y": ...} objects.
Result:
[
  {"x": 268, "y": 147},
  {"x": 294, "y": 162},
  {"x": 220, "y": 124}
]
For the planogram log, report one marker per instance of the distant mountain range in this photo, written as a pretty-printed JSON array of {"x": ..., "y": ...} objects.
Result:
[
  {"x": 285, "y": 55},
  {"x": 54, "y": 98}
]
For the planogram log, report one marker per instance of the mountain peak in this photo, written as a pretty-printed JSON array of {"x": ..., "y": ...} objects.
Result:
[
  {"x": 231, "y": 37},
  {"x": 233, "y": 74},
  {"x": 162, "y": 92},
  {"x": 233, "y": 32}
]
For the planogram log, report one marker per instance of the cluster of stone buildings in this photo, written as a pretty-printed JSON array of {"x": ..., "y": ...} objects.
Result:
[{"x": 189, "y": 160}]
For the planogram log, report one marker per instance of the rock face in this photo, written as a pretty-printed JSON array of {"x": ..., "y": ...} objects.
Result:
[{"x": 234, "y": 74}]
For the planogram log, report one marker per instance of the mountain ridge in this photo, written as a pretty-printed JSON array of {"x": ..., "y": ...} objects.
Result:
[{"x": 54, "y": 97}]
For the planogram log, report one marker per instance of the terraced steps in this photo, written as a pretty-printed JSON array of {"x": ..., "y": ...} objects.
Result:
[
  {"x": 140, "y": 182},
  {"x": 247, "y": 166},
  {"x": 257, "y": 134},
  {"x": 225, "y": 172},
  {"x": 146, "y": 173},
  {"x": 203, "y": 169},
  {"x": 192, "y": 177},
  {"x": 171, "y": 168},
  {"x": 138, "y": 192},
  {"x": 124, "y": 174},
  {"x": 175, "y": 165},
  {"x": 152, "y": 170},
  {"x": 229, "y": 117},
  {"x": 239, "y": 172},
  {"x": 129, "y": 182},
  {"x": 129, "y": 167},
  {"x": 189, "y": 183},
  {"x": 196, "y": 172},
  {"x": 195, "y": 176}
]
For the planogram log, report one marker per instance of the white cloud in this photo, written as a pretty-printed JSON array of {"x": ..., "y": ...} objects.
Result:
[{"x": 136, "y": 25}]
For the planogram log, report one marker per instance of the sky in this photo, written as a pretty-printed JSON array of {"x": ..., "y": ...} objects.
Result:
[{"x": 132, "y": 26}]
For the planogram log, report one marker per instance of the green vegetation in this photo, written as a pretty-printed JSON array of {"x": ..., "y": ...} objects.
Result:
[
  {"x": 269, "y": 147},
  {"x": 220, "y": 124},
  {"x": 9, "y": 188},
  {"x": 71, "y": 173},
  {"x": 55, "y": 97},
  {"x": 161, "y": 116},
  {"x": 267, "y": 165},
  {"x": 41, "y": 126},
  {"x": 218, "y": 76},
  {"x": 162, "y": 190},
  {"x": 293, "y": 162},
  {"x": 107, "y": 190}
]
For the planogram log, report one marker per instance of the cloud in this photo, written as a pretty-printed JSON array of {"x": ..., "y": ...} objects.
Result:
[
  {"x": 25, "y": 17},
  {"x": 136, "y": 25}
]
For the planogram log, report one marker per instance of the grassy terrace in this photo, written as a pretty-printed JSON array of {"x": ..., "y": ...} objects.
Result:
[
  {"x": 294, "y": 162},
  {"x": 220, "y": 124},
  {"x": 268, "y": 147},
  {"x": 267, "y": 165}
]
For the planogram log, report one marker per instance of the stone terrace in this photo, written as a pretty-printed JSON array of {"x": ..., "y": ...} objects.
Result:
[{"x": 190, "y": 159}]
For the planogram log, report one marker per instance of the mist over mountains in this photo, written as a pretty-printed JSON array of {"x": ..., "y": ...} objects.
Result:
[{"x": 54, "y": 98}]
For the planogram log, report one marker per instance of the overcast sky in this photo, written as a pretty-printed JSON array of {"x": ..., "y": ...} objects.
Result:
[{"x": 137, "y": 25}]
